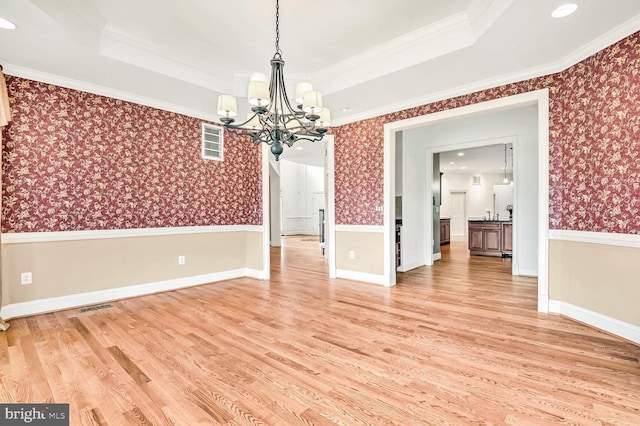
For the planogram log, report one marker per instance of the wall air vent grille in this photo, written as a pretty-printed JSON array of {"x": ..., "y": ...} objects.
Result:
[{"x": 212, "y": 142}]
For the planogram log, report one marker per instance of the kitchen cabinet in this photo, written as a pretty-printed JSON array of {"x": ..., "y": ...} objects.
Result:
[
  {"x": 486, "y": 238},
  {"x": 507, "y": 238},
  {"x": 445, "y": 231}
]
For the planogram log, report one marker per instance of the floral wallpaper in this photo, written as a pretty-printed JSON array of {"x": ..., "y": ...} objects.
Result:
[
  {"x": 594, "y": 145},
  {"x": 78, "y": 161}
]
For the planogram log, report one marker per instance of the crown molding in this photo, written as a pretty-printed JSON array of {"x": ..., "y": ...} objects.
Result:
[
  {"x": 442, "y": 37},
  {"x": 448, "y": 35},
  {"x": 120, "y": 46},
  {"x": 84, "y": 86},
  {"x": 626, "y": 29}
]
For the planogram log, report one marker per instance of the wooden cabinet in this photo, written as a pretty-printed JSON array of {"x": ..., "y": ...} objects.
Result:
[
  {"x": 507, "y": 238},
  {"x": 445, "y": 231},
  {"x": 485, "y": 238}
]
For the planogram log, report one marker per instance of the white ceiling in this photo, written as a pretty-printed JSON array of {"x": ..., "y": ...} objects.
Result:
[
  {"x": 484, "y": 159},
  {"x": 368, "y": 57}
]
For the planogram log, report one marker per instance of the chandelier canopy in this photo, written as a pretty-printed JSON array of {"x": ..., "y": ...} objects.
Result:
[{"x": 272, "y": 119}]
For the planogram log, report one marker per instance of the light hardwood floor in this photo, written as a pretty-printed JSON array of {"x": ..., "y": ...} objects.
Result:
[{"x": 458, "y": 343}]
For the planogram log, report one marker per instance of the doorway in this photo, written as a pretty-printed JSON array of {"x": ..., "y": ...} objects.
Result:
[
  {"x": 530, "y": 156},
  {"x": 320, "y": 197}
]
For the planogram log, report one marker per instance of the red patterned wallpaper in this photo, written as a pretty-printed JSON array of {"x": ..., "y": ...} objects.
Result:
[
  {"x": 78, "y": 161},
  {"x": 594, "y": 145}
]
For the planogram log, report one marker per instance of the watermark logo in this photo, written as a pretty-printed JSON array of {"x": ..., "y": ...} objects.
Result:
[{"x": 34, "y": 414}]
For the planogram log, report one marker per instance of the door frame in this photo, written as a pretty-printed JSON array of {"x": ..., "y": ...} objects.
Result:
[{"x": 540, "y": 98}]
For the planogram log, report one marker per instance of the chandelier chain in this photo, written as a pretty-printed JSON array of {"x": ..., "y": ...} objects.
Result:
[
  {"x": 278, "y": 51},
  {"x": 273, "y": 120}
]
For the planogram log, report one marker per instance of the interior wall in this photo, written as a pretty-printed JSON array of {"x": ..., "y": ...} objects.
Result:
[
  {"x": 79, "y": 161},
  {"x": 70, "y": 267},
  {"x": 75, "y": 162},
  {"x": 479, "y": 197},
  {"x": 414, "y": 181},
  {"x": 597, "y": 277},
  {"x": 359, "y": 252}
]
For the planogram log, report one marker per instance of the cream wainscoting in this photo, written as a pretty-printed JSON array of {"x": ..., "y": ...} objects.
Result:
[
  {"x": 367, "y": 243},
  {"x": 71, "y": 269},
  {"x": 594, "y": 278}
]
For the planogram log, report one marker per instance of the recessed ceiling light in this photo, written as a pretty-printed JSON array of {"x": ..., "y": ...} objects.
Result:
[
  {"x": 460, "y": 154},
  {"x": 7, "y": 25},
  {"x": 564, "y": 10},
  {"x": 299, "y": 148},
  {"x": 345, "y": 109},
  {"x": 452, "y": 162},
  {"x": 463, "y": 168}
]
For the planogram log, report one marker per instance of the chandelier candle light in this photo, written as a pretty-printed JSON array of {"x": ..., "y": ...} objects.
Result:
[{"x": 273, "y": 120}]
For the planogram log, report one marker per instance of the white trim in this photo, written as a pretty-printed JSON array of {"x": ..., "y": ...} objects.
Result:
[
  {"x": 615, "y": 35},
  {"x": 360, "y": 228},
  {"x": 447, "y": 35},
  {"x": 611, "y": 239},
  {"x": 543, "y": 205},
  {"x": 527, "y": 273},
  {"x": 41, "y": 306},
  {"x": 408, "y": 267},
  {"x": 83, "y": 86},
  {"x": 437, "y": 256},
  {"x": 611, "y": 37},
  {"x": 118, "y": 45},
  {"x": 611, "y": 325},
  {"x": 361, "y": 276},
  {"x": 41, "y": 237},
  {"x": 256, "y": 273},
  {"x": 266, "y": 212},
  {"x": 539, "y": 97},
  {"x": 330, "y": 235}
]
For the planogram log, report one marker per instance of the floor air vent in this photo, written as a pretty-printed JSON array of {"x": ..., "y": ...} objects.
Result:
[{"x": 95, "y": 308}]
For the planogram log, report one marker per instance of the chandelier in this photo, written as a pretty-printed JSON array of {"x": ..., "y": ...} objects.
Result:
[{"x": 272, "y": 119}]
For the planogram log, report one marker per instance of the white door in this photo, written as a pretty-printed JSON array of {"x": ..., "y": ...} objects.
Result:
[{"x": 458, "y": 212}]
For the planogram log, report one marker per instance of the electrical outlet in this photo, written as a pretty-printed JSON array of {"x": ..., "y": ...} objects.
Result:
[
  {"x": 352, "y": 254},
  {"x": 26, "y": 278},
  {"x": 181, "y": 260}
]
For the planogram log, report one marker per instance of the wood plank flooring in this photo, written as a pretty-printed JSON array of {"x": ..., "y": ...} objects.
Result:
[{"x": 459, "y": 343}]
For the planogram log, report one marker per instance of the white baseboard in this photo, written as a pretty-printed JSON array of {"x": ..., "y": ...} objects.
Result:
[
  {"x": 527, "y": 272},
  {"x": 611, "y": 325},
  {"x": 361, "y": 276},
  {"x": 52, "y": 304},
  {"x": 407, "y": 267},
  {"x": 437, "y": 256},
  {"x": 255, "y": 273}
]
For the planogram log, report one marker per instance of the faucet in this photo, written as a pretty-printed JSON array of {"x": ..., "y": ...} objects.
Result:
[{"x": 488, "y": 214}]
